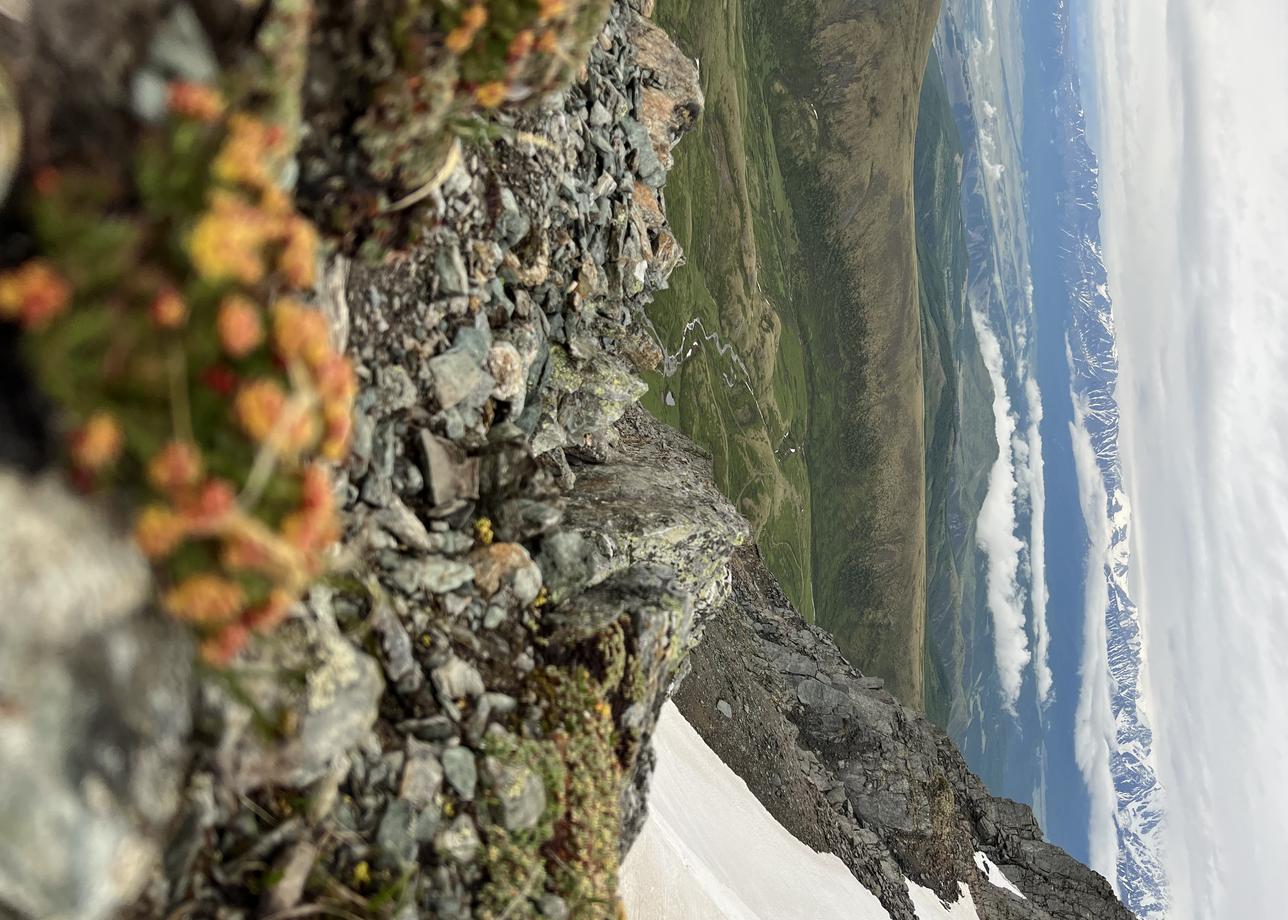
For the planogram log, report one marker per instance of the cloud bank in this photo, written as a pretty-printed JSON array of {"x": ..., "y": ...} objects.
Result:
[
  {"x": 1193, "y": 147},
  {"x": 995, "y": 530}
]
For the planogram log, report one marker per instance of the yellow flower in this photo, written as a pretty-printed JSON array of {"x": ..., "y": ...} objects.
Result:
[
  {"x": 549, "y": 9},
  {"x": 239, "y": 326},
  {"x": 298, "y": 261},
  {"x": 157, "y": 531},
  {"x": 227, "y": 242},
  {"x": 490, "y": 95},
  {"x": 97, "y": 443},
  {"x": 205, "y": 600},
  {"x": 245, "y": 153}
]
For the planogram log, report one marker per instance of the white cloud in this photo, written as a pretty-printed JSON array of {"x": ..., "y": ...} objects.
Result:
[
  {"x": 1035, "y": 485},
  {"x": 1193, "y": 142},
  {"x": 995, "y": 530},
  {"x": 1095, "y": 730}
]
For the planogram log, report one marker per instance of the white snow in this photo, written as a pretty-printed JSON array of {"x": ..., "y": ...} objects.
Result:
[
  {"x": 929, "y": 907},
  {"x": 996, "y": 876},
  {"x": 711, "y": 851}
]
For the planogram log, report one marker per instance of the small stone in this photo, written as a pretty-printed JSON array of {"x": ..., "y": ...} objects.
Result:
[
  {"x": 442, "y": 575},
  {"x": 553, "y": 907},
  {"x": 422, "y": 774},
  {"x": 461, "y": 771},
  {"x": 396, "y": 389},
  {"x": 460, "y": 842},
  {"x": 402, "y": 524},
  {"x": 458, "y": 679},
  {"x": 396, "y": 834},
  {"x": 506, "y": 564},
  {"x": 506, "y": 366},
  {"x": 431, "y": 728},
  {"x": 449, "y": 265},
  {"x": 725, "y": 709},
  {"x": 449, "y": 473},
  {"x": 290, "y": 872},
  {"x": 457, "y": 375},
  {"x": 520, "y": 793}
]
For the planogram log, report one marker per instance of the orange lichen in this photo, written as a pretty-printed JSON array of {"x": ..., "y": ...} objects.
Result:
[{"x": 258, "y": 407}]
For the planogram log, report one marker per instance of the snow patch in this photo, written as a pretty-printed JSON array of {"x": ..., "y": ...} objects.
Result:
[
  {"x": 710, "y": 851},
  {"x": 996, "y": 877},
  {"x": 929, "y": 907}
]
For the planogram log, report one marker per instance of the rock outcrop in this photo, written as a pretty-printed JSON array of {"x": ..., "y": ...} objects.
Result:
[{"x": 850, "y": 770}]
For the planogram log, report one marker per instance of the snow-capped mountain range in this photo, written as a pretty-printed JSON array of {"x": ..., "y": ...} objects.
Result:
[{"x": 1139, "y": 800}]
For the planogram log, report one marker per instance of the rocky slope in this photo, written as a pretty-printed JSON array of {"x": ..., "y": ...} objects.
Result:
[
  {"x": 849, "y": 770},
  {"x": 456, "y": 723}
]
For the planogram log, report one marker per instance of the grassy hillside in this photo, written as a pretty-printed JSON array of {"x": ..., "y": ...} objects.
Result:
[
  {"x": 729, "y": 319},
  {"x": 797, "y": 322},
  {"x": 960, "y": 447},
  {"x": 857, "y": 68}
]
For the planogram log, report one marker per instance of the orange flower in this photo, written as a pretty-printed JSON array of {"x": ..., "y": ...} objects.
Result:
[
  {"x": 458, "y": 40},
  {"x": 548, "y": 43},
  {"x": 315, "y": 488},
  {"x": 298, "y": 261},
  {"x": 169, "y": 310},
  {"x": 258, "y": 407},
  {"x": 176, "y": 467},
  {"x": 549, "y": 9},
  {"x": 97, "y": 443},
  {"x": 211, "y": 504},
  {"x": 157, "y": 531},
  {"x": 264, "y": 617},
  {"x": 335, "y": 380},
  {"x": 521, "y": 45},
  {"x": 239, "y": 326},
  {"x": 34, "y": 293},
  {"x": 204, "y": 600},
  {"x": 490, "y": 95},
  {"x": 300, "y": 334},
  {"x": 195, "y": 101},
  {"x": 220, "y": 649},
  {"x": 475, "y": 17}
]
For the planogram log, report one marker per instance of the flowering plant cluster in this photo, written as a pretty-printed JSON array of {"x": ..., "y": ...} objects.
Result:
[
  {"x": 164, "y": 320},
  {"x": 511, "y": 49}
]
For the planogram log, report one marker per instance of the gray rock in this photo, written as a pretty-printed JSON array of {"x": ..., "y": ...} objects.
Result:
[
  {"x": 396, "y": 388},
  {"x": 553, "y": 907},
  {"x": 289, "y": 874},
  {"x": 396, "y": 834},
  {"x": 331, "y": 711},
  {"x": 401, "y": 523},
  {"x": 449, "y": 267},
  {"x": 506, "y": 367},
  {"x": 422, "y": 774},
  {"x": 460, "y": 842},
  {"x": 725, "y": 709},
  {"x": 442, "y": 575},
  {"x": 520, "y": 792},
  {"x": 461, "y": 771},
  {"x": 96, "y": 708},
  {"x": 457, "y": 376},
  {"x": 458, "y": 679},
  {"x": 449, "y": 473}
]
